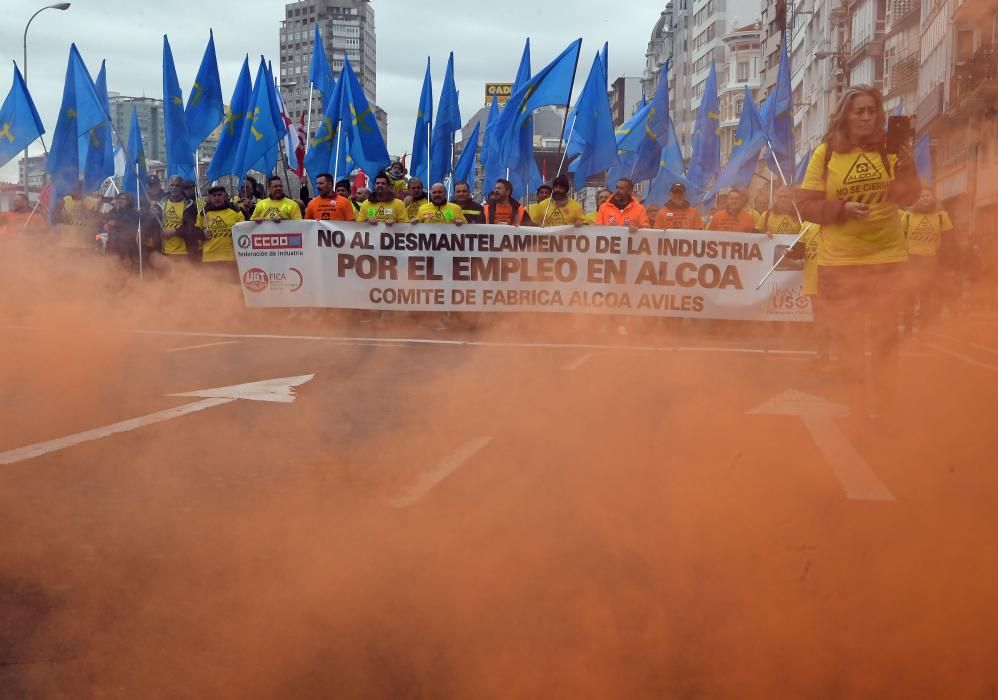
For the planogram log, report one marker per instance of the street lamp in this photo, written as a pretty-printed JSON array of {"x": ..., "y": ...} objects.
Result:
[{"x": 56, "y": 6}]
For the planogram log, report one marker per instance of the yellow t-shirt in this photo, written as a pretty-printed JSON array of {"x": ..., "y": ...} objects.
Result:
[
  {"x": 217, "y": 227},
  {"x": 80, "y": 227},
  {"x": 757, "y": 218},
  {"x": 775, "y": 223},
  {"x": 430, "y": 213},
  {"x": 412, "y": 208},
  {"x": 811, "y": 240},
  {"x": 857, "y": 176},
  {"x": 925, "y": 231},
  {"x": 556, "y": 216},
  {"x": 173, "y": 218},
  {"x": 383, "y": 211},
  {"x": 285, "y": 208}
]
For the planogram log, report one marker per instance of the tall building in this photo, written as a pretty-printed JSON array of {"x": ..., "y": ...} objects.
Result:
[
  {"x": 741, "y": 69},
  {"x": 150, "y": 115},
  {"x": 697, "y": 28},
  {"x": 625, "y": 96},
  {"x": 347, "y": 30},
  {"x": 660, "y": 48},
  {"x": 958, "y": 91}
]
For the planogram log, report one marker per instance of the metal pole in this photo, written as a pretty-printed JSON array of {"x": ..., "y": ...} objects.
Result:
[
  {"x": 138, "y": 208},
  {"x": 57, "y": 6},
  {"x": 336, "y": 163}
]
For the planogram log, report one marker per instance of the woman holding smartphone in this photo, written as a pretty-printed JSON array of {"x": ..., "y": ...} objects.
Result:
[{"x": 852, "y": 189}]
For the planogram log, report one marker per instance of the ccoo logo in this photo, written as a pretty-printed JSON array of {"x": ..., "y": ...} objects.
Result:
[{"x": 244, "y": 241}]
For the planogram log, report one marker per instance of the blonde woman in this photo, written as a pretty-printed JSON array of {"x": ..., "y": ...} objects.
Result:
[{"x": 853, "y": 189}]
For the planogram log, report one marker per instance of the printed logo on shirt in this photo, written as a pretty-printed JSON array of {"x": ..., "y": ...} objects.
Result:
[
  {"x": 862, "y": 170},
  {"x": 786, "y": 227},
  {"x": 924, "y": 230},
  {"x": 217, "y": 227}
]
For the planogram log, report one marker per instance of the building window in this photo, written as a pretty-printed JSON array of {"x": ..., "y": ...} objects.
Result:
[{"x": 742, "y": 71}]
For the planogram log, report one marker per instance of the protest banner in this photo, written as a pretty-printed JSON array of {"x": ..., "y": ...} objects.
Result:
[{"x": 478, "y": 268}]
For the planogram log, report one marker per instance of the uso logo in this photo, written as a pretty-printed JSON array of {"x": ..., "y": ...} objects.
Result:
[{"x": 256, "y": 280}]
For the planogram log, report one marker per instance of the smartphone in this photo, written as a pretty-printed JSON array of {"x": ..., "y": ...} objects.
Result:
[{"x": 899, "y": 133}]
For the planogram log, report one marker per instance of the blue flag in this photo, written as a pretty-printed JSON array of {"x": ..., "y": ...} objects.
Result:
[
  {"x": 551, "y": 86},
  {"x": 647, "y": 136},
  {"x": 179, "y": 152},
  {"x": 321, "y": 154},
  {"x": 923, "y": 159},
  {"x": 224, "y": 161},
  {"x": 257, "y": 148},
  {"x": 802, "y": 167},
  {"x": 592, "y": 121},
  {"x": 465, "y": 167},
  {"x": 362, "y": 135},
  {"x": 777, "y": 114},
  {"x": 487, "y": 151},
  {"x": 606, "y": 64},
  {"x": 96, "y": 148},
  {"x": 900, "y": 108},
  {"x": 421, "y": 136},
  {"x": 671, "y": 170},
  {"x": 705, "y": 160},
  {"x": 81, "y": 110},
  {"x": 135, "y": 160},
  {"x": 448, "y": 120},
  {"x": 20, "y": 124},
  {"x": 750, "y": 138},
  {"x": 204, "y": 106},
  {"x": 496, "y": 166},
  {"x": 319, "y": 72}
]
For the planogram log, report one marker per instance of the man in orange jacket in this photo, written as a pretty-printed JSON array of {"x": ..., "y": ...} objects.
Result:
[
  {"x": 678, "y": 212},
  {"x": 622, "y": 209}
]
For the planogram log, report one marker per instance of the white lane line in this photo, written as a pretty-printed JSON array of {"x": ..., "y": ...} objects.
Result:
[
  {"x": 576, "y": 364},
  {"x": 963, "y": 358},
  {"x": 751, "y": 351},
  {"x": 203, "y": 345},
  {"x": 984, "y": 348},
  {"x": 425, "y": 483}
]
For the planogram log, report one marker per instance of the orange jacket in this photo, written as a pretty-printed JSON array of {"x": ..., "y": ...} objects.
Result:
[
  {"x": 723, "y": 221},
  {"x": 688, "y": 218},
  {"x": 633, "y": 214}
]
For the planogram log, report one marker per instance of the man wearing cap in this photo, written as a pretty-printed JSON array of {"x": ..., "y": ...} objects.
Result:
[
  {"x": 217, "y": 221},
  {"x": 622, "y": 209},
  {"x": 559, "y": 209},
  {"x": 677, "y": 212}
]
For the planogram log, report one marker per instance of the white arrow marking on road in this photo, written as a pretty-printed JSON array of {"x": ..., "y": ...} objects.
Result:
[
  {"x": 271, "y": 390},
  {"x": 818, "y": 414}
]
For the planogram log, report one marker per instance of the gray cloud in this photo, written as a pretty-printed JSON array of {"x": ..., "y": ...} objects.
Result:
[{"x": 487, "y": 41}]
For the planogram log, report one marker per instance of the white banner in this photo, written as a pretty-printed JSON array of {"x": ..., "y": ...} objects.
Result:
[{"x": 476, "y": 268}]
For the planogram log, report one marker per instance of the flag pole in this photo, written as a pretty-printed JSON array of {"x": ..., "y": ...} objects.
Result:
[
  {"x": 429, "y": 170},
  {"x": 571, "y": 132},
  {"x": 308, "y": 126},
  {"x": 336, "y": 162},
  {"x": 138, "y": 208}
]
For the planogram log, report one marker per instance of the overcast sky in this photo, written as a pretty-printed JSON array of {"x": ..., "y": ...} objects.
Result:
[{"x": 486, "y": 39}]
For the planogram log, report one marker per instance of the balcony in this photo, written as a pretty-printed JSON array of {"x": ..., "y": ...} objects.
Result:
[
  {"x": 871, "y": 46},
  {"x": 974, "y": 87},
  {"x": 903, "y": 75},
  {"x": 902, "y": 10}
]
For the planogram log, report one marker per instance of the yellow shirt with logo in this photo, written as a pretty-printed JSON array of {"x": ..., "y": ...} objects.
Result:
[
  {"x": 173, "y": 219},
  {"x": 285, "y": 208},
  {"x": 777, "y": 224},
  {"x": 383, "y": 211},
  {"x": 445, "y": 214},
  {"x": 811, "y": 241},
  {"x": 556, "y": 215},
  {"x": 857, "y": 176},
  {"x": 79, "y": 229},
  {"x": 924, "y": 232},
  {"x": 217, "y": 227},
  {"x": 412, "y": 208}
]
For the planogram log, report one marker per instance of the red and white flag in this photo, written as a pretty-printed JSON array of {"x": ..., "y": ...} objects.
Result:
[
  {"x": 300, "y": 148},
  {"x": 291, "y": 140}
]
